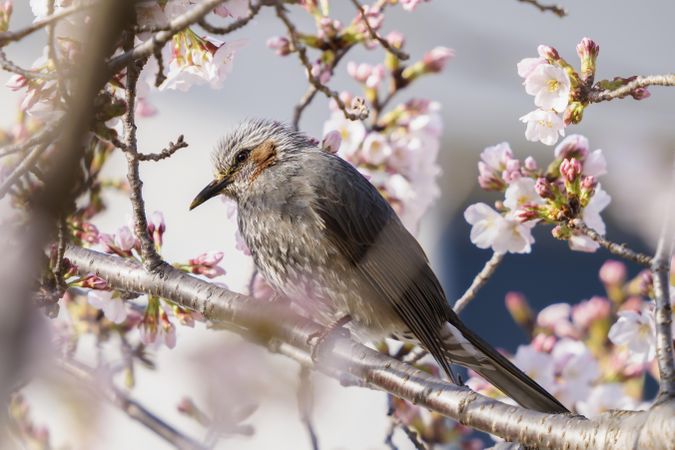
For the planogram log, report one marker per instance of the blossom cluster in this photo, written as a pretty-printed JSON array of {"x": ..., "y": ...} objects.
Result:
[
  {"x": 153, "y": 317},
  {"x": 565, "y": 191},
  {"x": 592, "y": 355},
  {"x": 561, "y": 93}
]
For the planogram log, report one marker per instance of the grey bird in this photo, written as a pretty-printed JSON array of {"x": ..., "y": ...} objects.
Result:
[{"x": 323, "y": 236}]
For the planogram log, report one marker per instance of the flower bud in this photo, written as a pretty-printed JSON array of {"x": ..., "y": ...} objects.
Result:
[
  {"x": 570, "y": 169},
  {"x": 396, "y": 39},
  {"x": 588, "y": 53},
  {"x": 331, "y": 142},
  {"x": 548, "y": 53},
  {"x": 640, "y": 93},
  {"x": 613, "y": 273},
  {"x": 156, "y": 228},
  {"x": 436, "y": 59},
  {"x": 573, "y": 113},
  {"x": 520, "y": 310},
  {"x": 280, "y": 44},
  {"x": 543, "y": 188},
  {"x": 530, "y": 164}
]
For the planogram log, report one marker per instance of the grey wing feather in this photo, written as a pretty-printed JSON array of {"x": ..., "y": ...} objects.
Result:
[{"x": 367, "y": 231}]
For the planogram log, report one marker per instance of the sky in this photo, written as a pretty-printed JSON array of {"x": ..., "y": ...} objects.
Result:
[{"x": 481, "y": 98}]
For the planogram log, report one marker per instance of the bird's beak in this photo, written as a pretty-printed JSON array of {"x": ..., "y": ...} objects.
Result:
[{"x": 211, "y": 190}]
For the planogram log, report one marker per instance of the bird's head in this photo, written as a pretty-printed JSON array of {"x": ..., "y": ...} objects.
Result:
[{"x": 248, "y": 154}]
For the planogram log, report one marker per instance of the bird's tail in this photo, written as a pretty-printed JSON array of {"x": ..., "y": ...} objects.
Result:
[{"x": 464, "y": 347}]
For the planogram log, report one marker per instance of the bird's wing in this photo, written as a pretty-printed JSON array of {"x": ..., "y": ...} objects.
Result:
[{"x": 361, "y": 224}]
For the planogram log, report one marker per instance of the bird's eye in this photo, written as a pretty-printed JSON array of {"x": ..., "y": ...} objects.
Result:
[{"x": 241, "y": 156}]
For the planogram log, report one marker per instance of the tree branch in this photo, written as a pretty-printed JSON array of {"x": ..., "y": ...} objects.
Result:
[
  {"x": 280, "y": 328},
  {"x": 383, "y": 42},
  {"x": 600, "y": 95},
  {"x": 165, "y": 153},
  {"x": 663, "y": 312},
  {"x": 24, "y": 166},
  {"x": 254, "y": 10},
  {"x": 612, "y": 247},
  {"x": 478, "y": 282},
  {"x": 555, "y": 9},
  {"x": 9, "y": 36},
  {"x": 160, "y": 38}
]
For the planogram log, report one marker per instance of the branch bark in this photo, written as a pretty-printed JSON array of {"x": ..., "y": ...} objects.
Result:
[
  {"x": 597, "y": 95},
  {"x": 338, "y": 355}
]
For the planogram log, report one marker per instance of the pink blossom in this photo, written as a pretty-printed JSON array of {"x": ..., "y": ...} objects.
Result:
[
  {"x": 156, "y": 227},
  {"x": 613, "y": 272},
  {"x": 351, "y": 132},
  {"x": 520, "y": 193},
  {"x": 436, "y": 59},
  {"x": 537, "y": 365},
  {"x": 144, "y": 108},
  {"x": 395, "y": 39},
  {"x": 573, "y": 146},
  {"x": 595, "y": 164},
  {"x": 578, "y": 369},
  {"x": 544, "y": 342},
  {"x": 570, "y": 169},
  {"x": 331, "y": 142},
  {"x": 280, "y": 44},
  {"x": 121, "y": 242},
  {"x": 527, "y": 65},
  {"x": 605, "y": 397},
  {"x": 376, "y": 150},
  {"x": 556, "y": 317},
  {"x": 530, "y": 164},
  {"x": 492, "y": 166},
  {"x": 410, "y": 5},
  {"x": 637, "y": 332},
  {"x": 113, "y": 308}
]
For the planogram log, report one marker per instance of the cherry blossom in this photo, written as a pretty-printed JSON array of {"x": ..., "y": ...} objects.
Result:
[
  {"x": 578, "y": 369},
  {"x": 492, "y": 230},
  {"x": 605, "y": 397},
  {"x": 121, "y": 242},
  {"x": 351, "y": 132},
  {"x": 376, "y": 149},
  {"x": 550, "y": 86},
  {"x": 331, "y": 142},
  {"x": 637, "y": 332},
  {"x": 537, "y": 365},
  {"x": 591, "y": 217},
  {"x": 113, "y": 307},
  {"x": 544, "y": 126},
  {"x": 527, "y": 65},
  {"x": 233, "y": 8},
  {"x": 573, "y": 146},
  {"x": 494, "y": 161},
  {"x": 589, "y": 311},
  {"x": 557, "y": 318},
  {"x": 521, "y": 192}
]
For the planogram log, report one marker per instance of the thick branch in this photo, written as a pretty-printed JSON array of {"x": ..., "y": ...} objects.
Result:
[
  {"x": 478, "y": 282},
  {"x": 612, "y": 247},
  {"x": 663, "y": 313},
  {"x": 130, "y": 407},
  {"x": 340, "y": 355},
  {"x": 597, "y": 95},
  {"x": 160, "y": 38}
]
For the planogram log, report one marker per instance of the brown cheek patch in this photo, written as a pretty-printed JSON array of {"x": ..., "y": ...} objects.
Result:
[{"x": 263, "y": 156}]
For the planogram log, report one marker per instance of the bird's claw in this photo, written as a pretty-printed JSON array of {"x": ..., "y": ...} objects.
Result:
[{"x": 318, "y": 338}]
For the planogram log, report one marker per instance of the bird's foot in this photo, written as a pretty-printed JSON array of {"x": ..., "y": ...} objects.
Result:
[{"x": 318, "y": 338}]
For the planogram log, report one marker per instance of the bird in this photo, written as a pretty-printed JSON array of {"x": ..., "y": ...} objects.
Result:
[{"x": 323, "y": 236}]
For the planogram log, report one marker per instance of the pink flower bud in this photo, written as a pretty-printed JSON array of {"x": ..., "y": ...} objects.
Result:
[
  {"x": 570, "y": 169},
  {"x": 520, "y": 310},
  {"x": 530, "y": 164},
  {"x": 640, "y": 93},
  {"x": 589, "y": 183},
  {"x": 396, "y": 39},
  {"x": 543, "y": 188},
  {"x": 94, "y": 282},
  {"x": 207, "y": 259},
  {"x": 280, "y": 44},
  {"x": 186, "y": 406},
  {"x": 436, "y": 59},
  {"x": 144, "y": 108},
  {"x": 331, "y": 142},
  {"x": 548, "y": 52},
  {"x": 589, "y": 311},
  {"x": 587, "y": 49},
  {"x": 544, "y": 342}
]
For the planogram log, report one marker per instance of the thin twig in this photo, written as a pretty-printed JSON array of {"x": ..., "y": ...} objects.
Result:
[
  {"x": 555, "y": 9},
  {"x": 600, "y": 95},
  {"x": 130, "y": 407},
  {"x": 9, "y": 36},
  {"x": 383, "y": 42},
  {"x": 62, "y": 240},
  {"x": 151, "y": 260},
  {"x": 237, "y": 24},
  {"x": 165, "y": 153},
  {"x": 160, "y": 38},
  {"x": 396, "y": 422},
  {"x": 22, "y": 168},
  {"x": 43, "y": 136},
  {"x": 9, "y": 66},
  {"x": 305, "y": 403},
  {"x": 302, "y": 54},
  {"x": 663, "y": 312},
  {"x": 614, "y": 248},
  {"x": 478, "y": 282}
]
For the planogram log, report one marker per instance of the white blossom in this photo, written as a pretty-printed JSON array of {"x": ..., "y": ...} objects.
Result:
[
  {"x": 550, "y": 86},
  {"x": 605, "y": 397},
  {"x": 521, "y": 192},
  {"x": 637, "y": 332},
  {"x": 537, "y": 365},
  {"x": 492, "y": 230},
  {"x": 376, "y": 150},
  {"x": 352, "y": 133},
  {"x": 544, "y": 126},
  {"x": 595, "y": 164},
  {"x": 113, "y": 308},
  {"x": 578, "y": 369}
]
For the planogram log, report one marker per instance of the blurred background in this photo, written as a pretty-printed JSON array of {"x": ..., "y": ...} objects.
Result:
[{"x": 481, "y": 98}]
